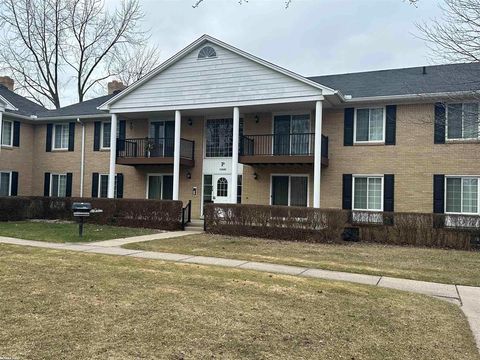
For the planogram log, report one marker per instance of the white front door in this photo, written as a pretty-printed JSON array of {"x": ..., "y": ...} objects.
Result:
[{"x": 221, "y": 189}]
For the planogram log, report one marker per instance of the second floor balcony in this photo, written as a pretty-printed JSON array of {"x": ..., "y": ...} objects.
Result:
[
  {"x": 281, "y": 149},
  {"x": 153, "y": 151}
]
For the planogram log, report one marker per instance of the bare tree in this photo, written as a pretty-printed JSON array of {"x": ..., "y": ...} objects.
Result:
[
  {"x": 455, "y": 37},
  {"x": 30, "y": 48},
  {"x": 132, "y": 63},
  {"x": 97, "y": 38}
]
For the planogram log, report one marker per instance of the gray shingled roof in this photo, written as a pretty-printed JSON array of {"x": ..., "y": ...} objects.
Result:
[
  {"x": 25, "y": 107},
  {"x": 407, "y": 81},
  {"x": 88, "y": 107}
]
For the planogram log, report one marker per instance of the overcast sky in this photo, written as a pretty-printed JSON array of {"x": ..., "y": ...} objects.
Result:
[{"x": 311, "y": 37}]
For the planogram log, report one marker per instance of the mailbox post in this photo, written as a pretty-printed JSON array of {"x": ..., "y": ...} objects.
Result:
[{"x": 81, "y": 210}]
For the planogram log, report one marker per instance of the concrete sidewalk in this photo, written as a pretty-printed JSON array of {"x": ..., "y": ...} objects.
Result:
[{"x": 467, "y": 297}]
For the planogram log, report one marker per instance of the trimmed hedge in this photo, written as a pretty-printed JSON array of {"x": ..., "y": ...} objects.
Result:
[
  {"x": 328, "y": 225},
  {"x": 154, "y": 214}
]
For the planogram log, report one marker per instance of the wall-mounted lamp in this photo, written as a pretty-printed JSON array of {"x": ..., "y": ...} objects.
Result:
[
  {"x": 190, "y": 122},
  {"x": 131, "y": 125},
  {"x": 257, "y": 119},
  {"x": 189, "y": 176},
  {"x": 255, "y": 176}
]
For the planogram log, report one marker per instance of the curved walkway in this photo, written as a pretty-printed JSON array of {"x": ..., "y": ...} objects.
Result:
[{"x": 467, "y": 297}]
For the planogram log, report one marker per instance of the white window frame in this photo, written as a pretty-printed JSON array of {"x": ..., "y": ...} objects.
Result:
[
  {"x": 447, "y": 138},
  {"x": 148, "y": 182},
  {"x": 461, "y": 194},
  {"x": 289, "y": 186},
  {"x": 102, "y": 146},
  {"x": 53, "y": 136},
  {"x": 51, "y": 183},
  {"x": 115, "y": 188},
  {"x": 9, "y": 181},
  {"x": 382, "y": 187},
  {"x": 384, "y": 109},
  {"x": 11, "y": 133}
]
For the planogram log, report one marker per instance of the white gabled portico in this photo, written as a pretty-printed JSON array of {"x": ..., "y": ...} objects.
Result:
[{"x": 209, "y": 76}]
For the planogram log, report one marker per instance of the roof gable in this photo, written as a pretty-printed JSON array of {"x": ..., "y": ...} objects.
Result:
[{"x": 232, "y": 76}]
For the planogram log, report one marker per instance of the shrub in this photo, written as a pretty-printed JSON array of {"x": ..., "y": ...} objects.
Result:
[
  {"x": 155, "y": 214},
  {"x": 327, "y": 225}
]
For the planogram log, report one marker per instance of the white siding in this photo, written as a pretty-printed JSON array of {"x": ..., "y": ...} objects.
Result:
[{"x": 227, "y": 78}]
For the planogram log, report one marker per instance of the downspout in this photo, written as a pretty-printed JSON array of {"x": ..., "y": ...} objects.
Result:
[{"x": 82, "y": 158}]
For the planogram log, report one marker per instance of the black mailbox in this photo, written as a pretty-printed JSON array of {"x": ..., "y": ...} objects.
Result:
[{"x": 81, "y": 209}]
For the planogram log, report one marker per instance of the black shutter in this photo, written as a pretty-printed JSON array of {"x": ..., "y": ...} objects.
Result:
[
  {"x": 388, "y": 192},
  {"x": 391, "y": 124},
  {"x": 94, "y": 185},
  {"x": 348, "y": 126},
  {"x": 14, "y": 185},
  {"x": 96, "y": 135},
  {"x": 71, "y": 136},
  {"x": 46, "y": 185},
  {"x": 121, "y": 135},
  {"x": 68, "y": 189},
  {"x": 48, "y": 144},
  {"x": 347, "y": 192},
  {"x": 119, "y": 186},
  {"x": 439, "y": 127},
  {"x": 438, "y": 194},
  {"x": 16, "y": 133}
]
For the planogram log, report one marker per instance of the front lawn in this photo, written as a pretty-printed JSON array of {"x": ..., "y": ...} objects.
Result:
[
  {"x": 66, "y": 305},
  {"x": 445, "y": 266},
  {"x": 60, "y": 232}
]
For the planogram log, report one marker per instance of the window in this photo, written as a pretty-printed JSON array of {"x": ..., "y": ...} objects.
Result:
[
  {"x": 58, "y": 185},
  {"x": 160, "y": 187},
  {"x": 291, "y": 190},
  {"x": 368, "y": 193},
  {"x": 207, "y": 52},
  {"x": 219, "y": 138},
  {"x": 463, "y": 121},
  {"x": 291, "y": 134},
  {"x": 462, "y": 195},
  {"x": 239, "y": 189},
  {"x": 222, "y": 187},
  {"x": 7, "y": 133},
  {"x": 369, "y": 125},
  {"x": 60, "y": 136},
  {"x": 103, "y": 186},
  {"x": 5, "y": 183},
  {"x": 105, "y": 134},
  {"x": 207, "y": 189}
]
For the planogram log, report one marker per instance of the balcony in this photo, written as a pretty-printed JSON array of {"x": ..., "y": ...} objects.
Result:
[
  {"x": 281, "y": 149},
  {"x": 150, "y": 151}
]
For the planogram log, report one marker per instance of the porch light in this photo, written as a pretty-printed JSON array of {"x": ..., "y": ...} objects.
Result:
[
  {"x": 189, "y": 176},
  {"x": 190, "y": 122},
  {"x": 257, "y": 119},
  {"x": 131, "y": 125},
  {"x": 255, "y": 176}
]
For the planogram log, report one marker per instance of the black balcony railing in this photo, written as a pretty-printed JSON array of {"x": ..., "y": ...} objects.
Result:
[
  {"x": 281, "y": 145},
  {"x": 151, "y": 147}
]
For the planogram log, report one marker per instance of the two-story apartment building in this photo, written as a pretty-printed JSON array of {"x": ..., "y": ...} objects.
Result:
[{"x": 216, "y": 124}]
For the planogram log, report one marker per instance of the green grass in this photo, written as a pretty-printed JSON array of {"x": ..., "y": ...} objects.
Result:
[
  {"x": 66, "y": 232},
  {"x": 445, "y": 266},
  {"x": 66, "y": 305}
]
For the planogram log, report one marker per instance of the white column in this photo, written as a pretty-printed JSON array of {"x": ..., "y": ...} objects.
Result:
[
  {"x": 317, "y": 166},
  {"x": 236, "y": 134},
  {"x": 176, "y": 155},
  {"x": 113, "y": 156}
]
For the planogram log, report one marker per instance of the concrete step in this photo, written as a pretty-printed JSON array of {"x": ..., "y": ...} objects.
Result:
[{"x": 193, "y": 228}]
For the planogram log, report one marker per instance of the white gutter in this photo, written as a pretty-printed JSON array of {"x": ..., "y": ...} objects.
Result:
[
  {"x": 1, "y": 128},
  {"x": 82, "y": 158},
  {"x": 427, "y": 96}
]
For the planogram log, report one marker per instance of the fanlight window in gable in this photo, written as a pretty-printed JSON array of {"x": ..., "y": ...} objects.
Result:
[{"x": 207, "y": 52}]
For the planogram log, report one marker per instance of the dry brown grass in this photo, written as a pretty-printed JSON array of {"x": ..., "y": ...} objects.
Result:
[{"x": 65, "y": 305}]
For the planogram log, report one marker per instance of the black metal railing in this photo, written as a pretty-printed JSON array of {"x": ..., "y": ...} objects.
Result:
[
  {"x": 154, "y": 147},
  {"x": 281, "y": 145},
  {"x": 186, "y": 214}
]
